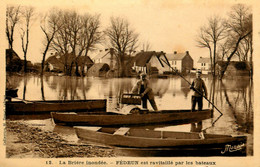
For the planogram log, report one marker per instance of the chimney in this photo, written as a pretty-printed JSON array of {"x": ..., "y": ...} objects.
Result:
[
  {"x": 175, "y": 52},
  {"x": 187, "y": 52}
]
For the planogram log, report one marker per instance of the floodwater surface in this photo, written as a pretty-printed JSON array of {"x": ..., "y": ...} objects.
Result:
[{"x": 233, "y": 97}]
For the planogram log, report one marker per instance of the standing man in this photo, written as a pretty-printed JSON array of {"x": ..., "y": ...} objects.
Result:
[
  {"x": 199, "y": 88},
  {"x": 143, "y": 88}
]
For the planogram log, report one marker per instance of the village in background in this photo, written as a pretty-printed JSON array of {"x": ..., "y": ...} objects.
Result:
[
  {"x": 104, "y": 64},
  {"x": 72, "y": 46}
]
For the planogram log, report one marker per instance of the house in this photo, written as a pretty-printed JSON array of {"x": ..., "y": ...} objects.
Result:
[
  {"x": 180, "y": 61},
  {"x": 107, "y": 56},
  {"x": 84, "y": 63},
  {"x": 58, "y": 63},
  {"x": 235, "y": 68},
  {"x": 204, "y": 64},
  {"x": 98, "y": 70},
  {"x": 150, "y": 62},
  {"x": 13, "y": 61}
]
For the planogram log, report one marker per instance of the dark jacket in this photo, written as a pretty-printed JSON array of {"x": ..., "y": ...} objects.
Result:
[
  {"x": 148, "y": 90},
  {"x": 198, "y": 85}
]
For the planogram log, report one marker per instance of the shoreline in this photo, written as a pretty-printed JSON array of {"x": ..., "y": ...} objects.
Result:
[{"x": 25, "y": 141}]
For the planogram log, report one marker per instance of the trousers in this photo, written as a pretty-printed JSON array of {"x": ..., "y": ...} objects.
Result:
[
  {"x": 152, "y": 102},
  {"x": 194, "y": 100}
]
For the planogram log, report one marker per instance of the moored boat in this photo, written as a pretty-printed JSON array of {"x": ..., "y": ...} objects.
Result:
[
  {"x": 140, "y": 118},
  {"x": 164, "y": 143},
  {"x": 32, "y": 107}
]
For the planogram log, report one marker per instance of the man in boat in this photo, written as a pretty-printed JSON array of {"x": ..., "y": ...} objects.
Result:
[
  {"x": 143, "y": 88},
  {"x": 199, "y": 88}
]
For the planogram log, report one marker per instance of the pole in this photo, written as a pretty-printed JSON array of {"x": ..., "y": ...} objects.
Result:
[{"x": 194, "y": 88}]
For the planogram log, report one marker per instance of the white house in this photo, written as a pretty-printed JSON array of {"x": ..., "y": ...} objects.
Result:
[
  {"x": 204, "y": 64},
  {"x": 180, "y": 61},
  {"x": 150, "y": 62}
]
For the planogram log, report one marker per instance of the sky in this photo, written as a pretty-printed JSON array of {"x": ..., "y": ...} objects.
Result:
[{"x": 168, "y": 25}]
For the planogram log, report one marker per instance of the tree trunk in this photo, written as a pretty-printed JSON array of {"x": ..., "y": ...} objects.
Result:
[
  {"x": 231, "y": 55},
  {"x": 25, "y": 64},
  {"x": 77, "y": 69}
]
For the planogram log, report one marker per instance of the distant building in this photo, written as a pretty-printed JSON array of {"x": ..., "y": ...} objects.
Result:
[
  {"x": 98, "y": 70},
  {"x": 57, "y": 63},
  {"x": 106, "y": 56},
  {"x": 150, "y": 62},
  {"x": 235, "y": 68},
  {"x": 204, "y": 64},
  {"x": 180, "y": 61},
  {"x": 13, "y": 61}
]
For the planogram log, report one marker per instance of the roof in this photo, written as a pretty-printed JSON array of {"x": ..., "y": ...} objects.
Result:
[
  {"x": 59, "y": 61},
  {"x": 177, "y": 56},
  {"x": 204, "y": 60},
  {"x": 85, "y": 59},
  {"x": 97, "y": 68},
  {"x": 103, "y": 53},
  {"x": 142, "y": 58},
  {"x": 100, "y": 55},
  {"x": 11, "y": 54}
]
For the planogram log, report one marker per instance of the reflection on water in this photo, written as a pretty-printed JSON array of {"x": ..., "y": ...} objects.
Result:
[{"x": 233, "y": 97}]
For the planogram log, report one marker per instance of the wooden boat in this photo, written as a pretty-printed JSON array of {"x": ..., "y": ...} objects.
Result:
[
  {"x": 117, "y": 119},
  {"x": 31, "y": 107},
  {"x": 174, "y": 143}
]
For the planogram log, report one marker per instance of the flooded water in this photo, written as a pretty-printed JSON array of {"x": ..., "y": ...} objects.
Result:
[{"x": 233, "y": 97}]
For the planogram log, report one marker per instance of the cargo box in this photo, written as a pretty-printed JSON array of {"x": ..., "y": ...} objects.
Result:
[{"x": 131, "y": 99}]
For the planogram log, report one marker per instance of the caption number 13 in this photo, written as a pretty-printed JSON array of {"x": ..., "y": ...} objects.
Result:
[{"x": 48, "y": 162}]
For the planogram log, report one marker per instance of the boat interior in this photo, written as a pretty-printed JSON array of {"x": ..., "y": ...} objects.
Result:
[
  {"x": 157, "y": 134},
  {"x": 139, "y": 112}
]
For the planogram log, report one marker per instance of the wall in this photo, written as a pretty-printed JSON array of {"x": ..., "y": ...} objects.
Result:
[
  {"x": 107, "y": 60},
  {"x": 177, "y": 65},
  {"x": 187, "y": 63},
  {"x": 156, "y": 63}
]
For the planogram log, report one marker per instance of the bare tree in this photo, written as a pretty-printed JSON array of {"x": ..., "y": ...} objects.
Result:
[
  {"x": 12, "y": 18},
  {"x": 146, "y": 46},
  {"x": 210, "y": 36},
  {"x": 224, "y": 49},
  {"x": 50, "y": 24},
  {"x": 122, "y": 39},
  {"x": 27, "y": 14},
  {"x": 239, "y": 26},
  {"x": 90, "y": 36},
  {"x": 78, "y": 35},
  {"x": 61, "y": 42}
]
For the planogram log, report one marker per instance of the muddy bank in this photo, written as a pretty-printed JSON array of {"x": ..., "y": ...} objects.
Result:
[{"x": 22, "y": 141}]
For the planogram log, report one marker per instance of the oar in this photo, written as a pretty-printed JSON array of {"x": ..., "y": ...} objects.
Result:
[{"x": 193, "y": 88}]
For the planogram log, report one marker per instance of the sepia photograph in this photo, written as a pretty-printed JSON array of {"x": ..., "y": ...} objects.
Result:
[{"x": 129, "y": 83}]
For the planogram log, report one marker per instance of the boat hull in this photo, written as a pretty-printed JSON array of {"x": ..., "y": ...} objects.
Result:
[
  {"x": 112, "y": 119},
  {"x": 20, "y": 107},
  {"x": 158, "y": 143}
]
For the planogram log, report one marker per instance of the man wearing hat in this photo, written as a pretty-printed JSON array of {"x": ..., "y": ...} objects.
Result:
[
  {"x": 143, "y": 88},
  {"x": 199, "y": 88}
]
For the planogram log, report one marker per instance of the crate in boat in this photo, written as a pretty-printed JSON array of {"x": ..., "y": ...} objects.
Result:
[{"x": 131, "y": 99}]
